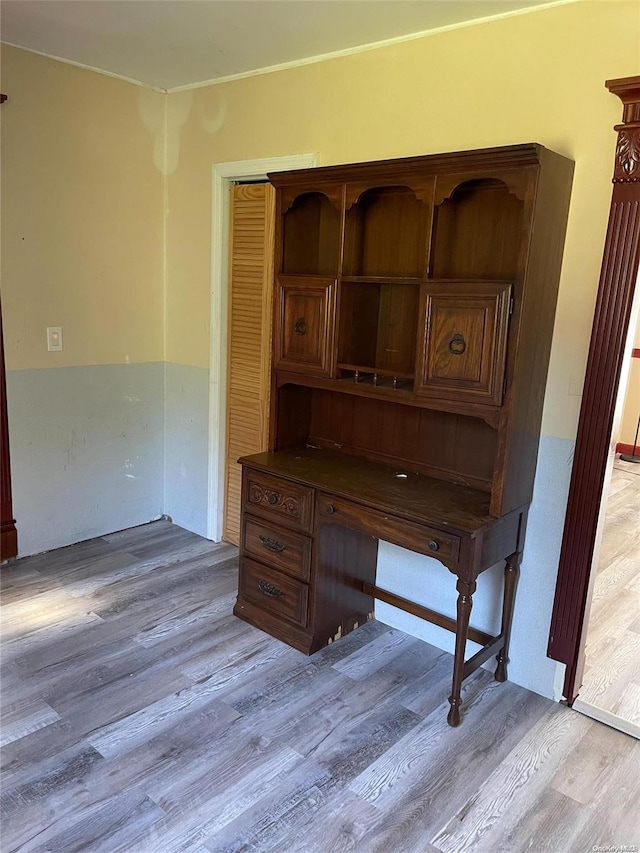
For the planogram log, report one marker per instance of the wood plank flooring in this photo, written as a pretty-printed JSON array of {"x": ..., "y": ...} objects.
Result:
[
  {"x": 612, "y": 672},
  {"x": 141, "y": 716}
]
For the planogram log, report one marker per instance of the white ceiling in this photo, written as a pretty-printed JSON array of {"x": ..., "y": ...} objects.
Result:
[{"x": 174, "y": 43}]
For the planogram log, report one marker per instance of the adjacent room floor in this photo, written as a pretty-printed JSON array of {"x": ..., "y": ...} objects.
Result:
[
  {"x": 140, "y": 715},
  {"x": 612, "y": 671}
]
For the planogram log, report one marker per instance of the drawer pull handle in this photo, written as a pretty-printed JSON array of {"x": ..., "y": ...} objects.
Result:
[
  {"x": 300, "y": 326},
  {"x": 272, "y": 544},
  {"x": 273, "y": 499},
  {"x": 330, "y": 509},
  {"x": 269, "y": 589},
  {"x": 433, "y": 545}
]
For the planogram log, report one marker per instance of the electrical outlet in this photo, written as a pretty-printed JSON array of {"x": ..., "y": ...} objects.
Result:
[{"x": 54, "y": 338}]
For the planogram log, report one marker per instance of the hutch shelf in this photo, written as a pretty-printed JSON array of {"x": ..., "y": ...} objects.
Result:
[{"x": 414, "y": 310}]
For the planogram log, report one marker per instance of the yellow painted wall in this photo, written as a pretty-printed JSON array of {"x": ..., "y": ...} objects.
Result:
[
  {"x": 82, "y": 215},
  {"x": 83, "y": 163},
  {"x": 531, "y": 78}
]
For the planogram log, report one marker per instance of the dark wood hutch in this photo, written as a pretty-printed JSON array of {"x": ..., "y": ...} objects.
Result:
[{"x": 414, "y": 310}]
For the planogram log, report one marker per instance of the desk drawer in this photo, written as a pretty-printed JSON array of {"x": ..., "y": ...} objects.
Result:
[
  {"x": 274, "y": 592},
  {"x": 408, "y": 534},
  {"x": 283, "y": 549},
  {"x": 278, "y": 499}
]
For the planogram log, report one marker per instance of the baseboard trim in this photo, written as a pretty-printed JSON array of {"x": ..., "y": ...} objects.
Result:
[
  {"x": 626, "y": 448},
  {"x": 607, "y": 718},
  {"x": 8, "y": 541}
]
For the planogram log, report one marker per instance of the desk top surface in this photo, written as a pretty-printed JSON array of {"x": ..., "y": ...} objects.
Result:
[{"x": 420, "y": 498}]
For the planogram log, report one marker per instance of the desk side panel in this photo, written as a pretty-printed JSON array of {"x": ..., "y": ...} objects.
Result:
[
  {"x": 504, "y": 538},
  {"x": 344, "y": 560}
]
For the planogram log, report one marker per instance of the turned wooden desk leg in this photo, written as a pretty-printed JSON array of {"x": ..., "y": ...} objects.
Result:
[
  {"x": 511, "y": 572},
  {"x": 465, "y": 603}
]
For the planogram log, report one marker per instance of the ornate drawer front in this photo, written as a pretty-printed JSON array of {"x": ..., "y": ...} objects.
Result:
[
  {"x": 277, "y": 499},
  {"x": 284, "y": 550},
  {"x": 274, "y": 591},
  {"x": 408, "y": 534}
]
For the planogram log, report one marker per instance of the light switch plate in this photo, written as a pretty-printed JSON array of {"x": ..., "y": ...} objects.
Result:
[{"x": 54, "y": 338}]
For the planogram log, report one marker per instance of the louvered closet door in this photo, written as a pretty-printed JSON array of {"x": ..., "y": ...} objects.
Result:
[{"x": 250, "y": 309}]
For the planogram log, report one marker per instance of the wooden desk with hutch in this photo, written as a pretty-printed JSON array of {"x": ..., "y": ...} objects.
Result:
[{"x": 413, "y": 316}]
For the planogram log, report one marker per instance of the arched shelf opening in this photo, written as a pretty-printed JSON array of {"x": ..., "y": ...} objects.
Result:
[
  {"x": 476, "y": 232},
  {"x": 386, "y": 233},
  {"x": 311, "y": 238}
]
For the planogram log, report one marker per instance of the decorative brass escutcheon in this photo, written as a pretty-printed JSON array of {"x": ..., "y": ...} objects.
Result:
[{"x": 457, "y": 344}]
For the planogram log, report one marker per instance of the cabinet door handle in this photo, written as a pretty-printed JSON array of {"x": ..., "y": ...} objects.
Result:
[
  {"x": 330, "y": 509},
  {"x": 457, "y": 344},
  {"x": 300, "y": 326},
  {"x": 433, "y": 545},
  {"x": 270, "y": 590},
  {"x": 273, "y": 498},
  {"x": 272, "y": 544}
]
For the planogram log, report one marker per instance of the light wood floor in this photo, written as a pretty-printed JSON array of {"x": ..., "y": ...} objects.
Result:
[
  {"x": 612, "y": 672},
  {"x": 140, "y": 715}
]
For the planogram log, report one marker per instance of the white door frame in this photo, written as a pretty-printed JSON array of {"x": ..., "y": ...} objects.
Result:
[{"x": 223, "y": 175}]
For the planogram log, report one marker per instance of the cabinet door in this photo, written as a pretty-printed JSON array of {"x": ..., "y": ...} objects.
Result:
[
  {"x": 304, "y": 332},
  {"x": 465, "y": 341}
]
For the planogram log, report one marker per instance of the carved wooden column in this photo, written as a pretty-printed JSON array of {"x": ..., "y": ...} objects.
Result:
[{"x": 610, "y": 327}]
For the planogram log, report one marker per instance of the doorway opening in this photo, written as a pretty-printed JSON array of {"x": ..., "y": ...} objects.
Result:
[
  {"x": 610, "y": 690},
  {"x": 609, "y": 350}
]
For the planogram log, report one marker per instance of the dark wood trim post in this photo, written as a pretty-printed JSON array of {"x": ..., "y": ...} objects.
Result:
[
  {"x": 608, "y": 338},
  {"x": 8, "y": 533}
]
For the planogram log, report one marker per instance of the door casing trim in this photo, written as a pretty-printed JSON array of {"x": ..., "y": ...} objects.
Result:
[{"x": 222, "y": 176}]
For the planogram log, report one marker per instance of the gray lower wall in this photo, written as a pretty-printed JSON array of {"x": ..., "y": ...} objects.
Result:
[
  {"x": 186, "y": 458},
  {"x": 87, "y": 451},
  {"x": 98, "y": 449},
  {"x": 427, "y": 582}
]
